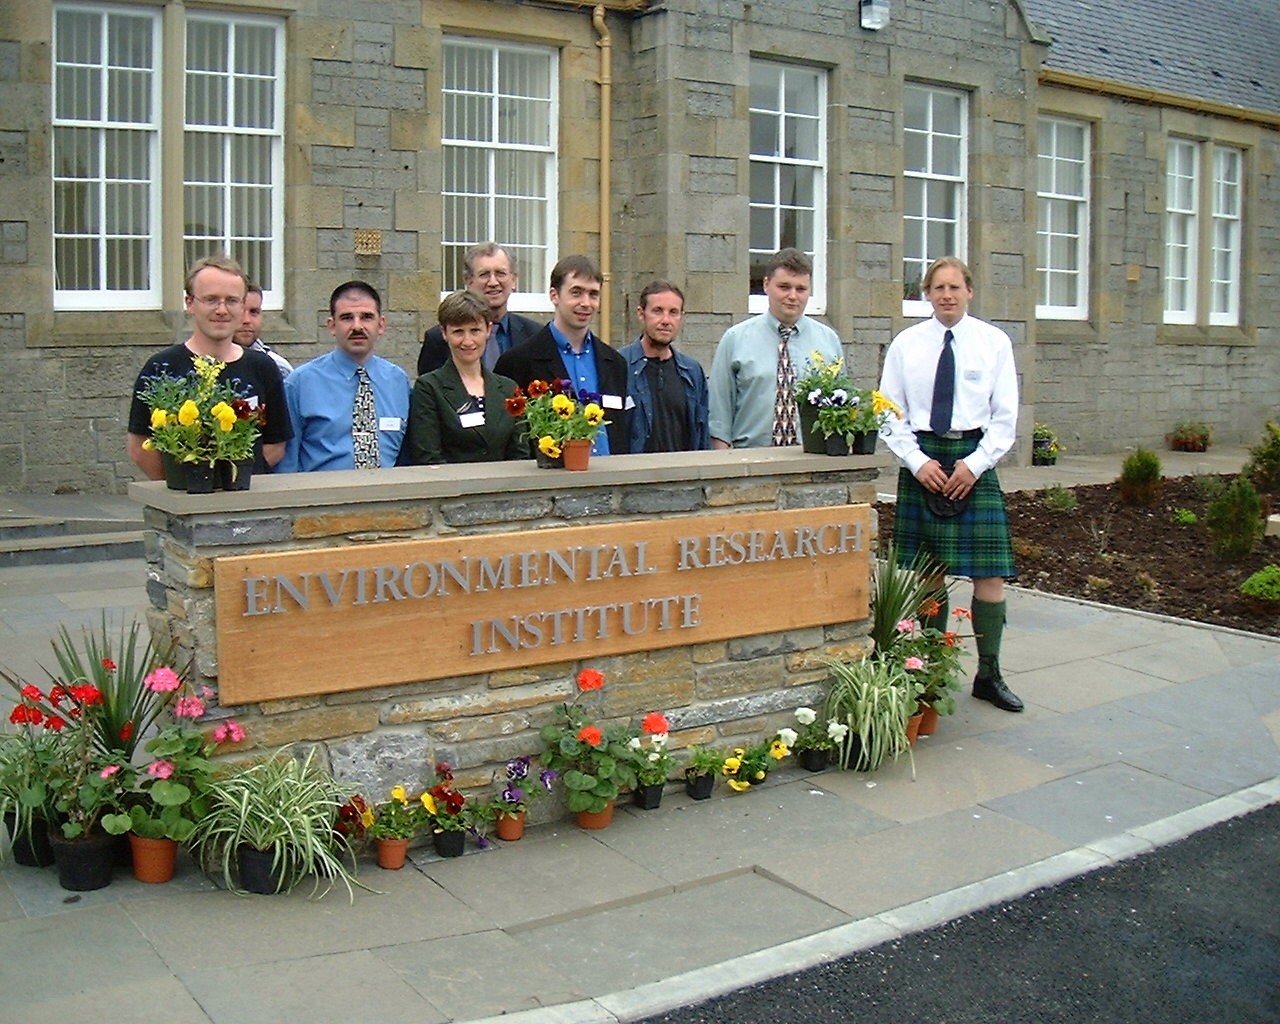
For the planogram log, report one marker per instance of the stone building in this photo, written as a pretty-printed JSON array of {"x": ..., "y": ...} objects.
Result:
[{"x": 1108, "y": 168}]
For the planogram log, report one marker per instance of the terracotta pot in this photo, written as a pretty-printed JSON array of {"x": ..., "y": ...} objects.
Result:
[
  {"x": 577, "y": 455},
  {"x": 929, "y": 721},
  {"x": 510, "y": 827},
  {"x": 391, "y": 853},
  {"x": 154, "y": 860},
  {"x": 913, "y": 727},
  {"x": 596, "y": 819}
]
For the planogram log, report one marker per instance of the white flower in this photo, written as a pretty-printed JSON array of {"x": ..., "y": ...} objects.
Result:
[
  {"x": 836, "y": 730},
  {"x": 788, "y": 736},
  {"x": 634, "y": 743},
  {"x": 658, "y": 739},
  {"x": 806, "y": 716},
  {"x": 839, "y": 396},
  {"x": 654, "y": 756},
  {"x": 814, "y": 396}
]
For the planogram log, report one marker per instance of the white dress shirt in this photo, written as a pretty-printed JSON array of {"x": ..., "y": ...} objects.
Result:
[{"x": 986, "y": 395}]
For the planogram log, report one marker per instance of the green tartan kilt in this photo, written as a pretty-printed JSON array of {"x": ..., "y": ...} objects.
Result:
[{"x": 976, "y": 543}]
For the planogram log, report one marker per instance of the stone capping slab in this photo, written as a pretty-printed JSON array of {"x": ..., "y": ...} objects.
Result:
[{"x": 410, "y": 483}]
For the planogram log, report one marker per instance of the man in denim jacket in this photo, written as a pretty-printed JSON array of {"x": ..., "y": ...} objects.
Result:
[{"x": 669, "y": 389}]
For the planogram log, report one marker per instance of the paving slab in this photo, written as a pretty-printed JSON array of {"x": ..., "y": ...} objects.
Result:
[
  {"x": 1084, "y": 807},
  {"x": 142, "y": 1001},
  {"x": 1083, "y": 684}
]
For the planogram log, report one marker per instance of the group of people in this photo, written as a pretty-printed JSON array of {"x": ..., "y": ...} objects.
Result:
[{"x": 953, "y": 377}]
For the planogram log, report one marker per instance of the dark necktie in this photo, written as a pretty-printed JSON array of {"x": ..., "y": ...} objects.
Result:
[
  {"x": 944, "y": 388},
  {"x": 491, "y": 348},
  {"x": 784, "y": 401},
  {"x": 364, "y": 423}
]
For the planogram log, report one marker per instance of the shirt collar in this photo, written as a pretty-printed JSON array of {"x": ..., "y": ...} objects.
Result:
[{"x": 562, "y": 343}]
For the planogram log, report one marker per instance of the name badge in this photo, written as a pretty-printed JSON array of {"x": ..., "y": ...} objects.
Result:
[
  {"x": 389, "y": 423},
  {"x": 611, "y": 401},
  {"x": 471, "y": 419},
  {"x": 253, "y": 401},
  {"x": 631, "y": 403}
]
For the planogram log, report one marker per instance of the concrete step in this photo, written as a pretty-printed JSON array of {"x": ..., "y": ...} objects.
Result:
[
  {"x": 21, "y": 527},
  {"x": 102, "y": 544}
]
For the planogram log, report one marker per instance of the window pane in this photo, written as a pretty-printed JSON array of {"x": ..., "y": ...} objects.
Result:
[
  {"x": 947, "y": 112},
  {"x": 946, "y": 156},
  {"x": 915, "y": 108},
  {"x": 802, "y": 138},
  {"x": 764, "y": 135},
  {"x": 801, "y": 92},
  {"x": 255, "y": 50},
  {"x": 765, "y": 94},
  {"x": 762, "y": 229},
  {"x": 126, "y": 264},
  {"x": 915, "y": 152}
]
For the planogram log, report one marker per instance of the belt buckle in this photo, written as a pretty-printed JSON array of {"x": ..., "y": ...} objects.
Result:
[{"x": 954, "y": 435}]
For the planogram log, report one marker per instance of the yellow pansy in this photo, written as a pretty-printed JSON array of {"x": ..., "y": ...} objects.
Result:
[
  {"x": 399, "y": 795},
  {"x": 548, "y": 446},
  {"x": 562, "y": 406},
  {"x": 731, "y": 765},
  {"x": 429, "y": 803},
  {"x": 593, "y": 414},
  {"x": 366, "y": 817},
  {"x": 739, "y": 786},
  {"x": 189, "y": 413},
  {"x": 225, "y": 415},
  {"x": 778, "y": 750},
  {"x": 880, "y": 404},
  {"x": 159, "y": 419},
  {"x": 148, "y": 445}
]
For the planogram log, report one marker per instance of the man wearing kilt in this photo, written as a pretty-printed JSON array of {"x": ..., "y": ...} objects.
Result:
[{"x": 953, "y": 377}]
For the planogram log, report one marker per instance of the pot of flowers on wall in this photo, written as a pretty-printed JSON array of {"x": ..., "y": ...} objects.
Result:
[
  {"x": 595, "y": 762},
  {"x": 561, "y": 423},
  {"x": 837, "y": 418}
]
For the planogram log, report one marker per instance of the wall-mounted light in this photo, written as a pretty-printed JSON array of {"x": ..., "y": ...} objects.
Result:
[{"x": 875, "y": 14}]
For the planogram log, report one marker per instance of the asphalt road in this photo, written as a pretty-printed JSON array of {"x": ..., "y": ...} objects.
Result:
[{"x": 1187, "y": 933}]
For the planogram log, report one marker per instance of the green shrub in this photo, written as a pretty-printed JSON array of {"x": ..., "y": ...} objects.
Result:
[
  {"x": 1263, "y": 467},
  {"x": 1185, "y": 517},
  {"x": 1140, "y": 478},
  {"x": 1234, "y": 519},
  {"x": 1058, "y": 499},
  {"x": 1264, "y": 584}
]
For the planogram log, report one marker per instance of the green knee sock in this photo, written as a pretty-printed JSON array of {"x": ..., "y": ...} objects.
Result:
[
  {"x": 988, "y": 630},
  {"x": 938, "y": 620}
]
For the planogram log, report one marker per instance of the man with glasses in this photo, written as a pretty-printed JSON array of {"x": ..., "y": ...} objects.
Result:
[
  {"x": 490, "y": 273},
  {"x": 214, "y": 300}
]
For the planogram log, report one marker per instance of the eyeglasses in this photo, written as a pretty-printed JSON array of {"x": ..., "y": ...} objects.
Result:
[{"x": 214, "y": 301}]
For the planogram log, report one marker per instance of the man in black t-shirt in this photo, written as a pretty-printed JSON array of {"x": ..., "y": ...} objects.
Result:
[{"x": 214, "y": 295}]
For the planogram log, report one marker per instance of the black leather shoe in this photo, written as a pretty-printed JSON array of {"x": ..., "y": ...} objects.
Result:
[{"x": 993, "y": 689}]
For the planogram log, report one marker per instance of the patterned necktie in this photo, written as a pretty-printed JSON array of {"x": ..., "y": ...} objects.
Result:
[
  {"x": 491, "y": 349},
  {"x": 784, "y": 401},
  {"x": 944, "y": 388},
  {"x": 364, "y": 423}
]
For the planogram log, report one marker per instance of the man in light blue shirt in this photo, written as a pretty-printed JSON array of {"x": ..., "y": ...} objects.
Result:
[
  {"x": 350, "y": 407},
  {"x": 744, "y": 371}
]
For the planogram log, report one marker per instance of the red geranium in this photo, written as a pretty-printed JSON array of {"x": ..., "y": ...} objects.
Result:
[
  {"x": 655, "y": 722},
  {"x": 108, "y": 664},
  {"x": 590, "y": 679},
  {"x": 591, "y": 735}
]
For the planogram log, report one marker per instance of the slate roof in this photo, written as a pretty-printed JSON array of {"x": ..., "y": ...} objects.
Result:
[{"x": 1227, "y": 51}]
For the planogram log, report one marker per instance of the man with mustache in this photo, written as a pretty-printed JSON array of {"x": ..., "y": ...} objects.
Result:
[{"x": 349, "y": 407}]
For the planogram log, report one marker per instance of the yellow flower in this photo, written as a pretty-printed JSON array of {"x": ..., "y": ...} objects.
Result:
[
  {"x": 429, "y": 803},
  {"x": 778, "y": 750},
  {"x": 148, "y": 445},
  {"x": 366, "y": 817},
  {"x": 760, "y": 775},
  {"x": 881, "y": 404},
  {"x": 593, "y": 414},
  {"x": 399, "y": 795},
  {"x": 548, "y": 446},
  {"x": 731, "y": 765},
  {"x": 739, "y": 786},
  {"x": 189, "y": 413},
  {"x": 225, "y": 415},
  {"x": 159, "y": 419},
  {"x": 562, "y": 406}
]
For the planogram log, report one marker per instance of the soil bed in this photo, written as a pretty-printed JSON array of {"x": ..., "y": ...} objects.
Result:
[{"x": 1131, "y": 557}]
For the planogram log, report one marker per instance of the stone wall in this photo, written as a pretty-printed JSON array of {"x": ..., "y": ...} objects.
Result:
[{"x": 713, "y": 693}]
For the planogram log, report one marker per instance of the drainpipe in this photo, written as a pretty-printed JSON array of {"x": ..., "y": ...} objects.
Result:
[{"x": 605, "y": 43}]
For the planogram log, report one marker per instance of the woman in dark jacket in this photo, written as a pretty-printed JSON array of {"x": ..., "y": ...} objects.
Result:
[{"x": 457, "y": 413}]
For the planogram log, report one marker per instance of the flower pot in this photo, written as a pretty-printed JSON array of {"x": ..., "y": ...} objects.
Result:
[
  {"x": 913, "y": 727},
  {"x": 391, "y": 853},
  {"x": 865, "y": 443},
  {"x": 596, "y": 819},
  {"x": 928, "y": 720},
  {"x": 201, "y": 478},
  {"x": 835, "y": 444},
  {"x": 84, "y": 864},
  {"x": 449, "y": 844},
  {"x": 154, "y": 860},
  {"x": 510, "y": 827},
  {"x": 811, "y": 438},
  {"x": 814, "y": 760},
  {"x": 31, "y": 849},
  {"x": 699, "y": 787},
  {"x": 577, "y": 455},
  {"x": 545, "y": 461},
  {"x": 647, "y": 798},
  {"x": 234, "y": 476},
  {"x": 175, "y": 472},
  {"x": 258, "y": 873}
]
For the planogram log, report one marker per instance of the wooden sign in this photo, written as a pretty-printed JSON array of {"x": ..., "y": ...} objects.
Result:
[{"x": 324, "y": 620}]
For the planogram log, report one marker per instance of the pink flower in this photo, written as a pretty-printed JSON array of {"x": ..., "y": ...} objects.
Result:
[
  {"x": 913, "y": 664},
  {"x": 188, "y": 707},
  {"x": 108, "y": 771},
  {"x": 207, "y": 692},
  {"x": 160, "y": 769},
  {"x": 228, "y": 732},
  {"x": 905, "y": 626},
  {"x": 162, "y": 680}
]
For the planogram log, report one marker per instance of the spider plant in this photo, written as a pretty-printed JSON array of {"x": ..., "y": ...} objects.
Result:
[
  {"x": 284, "y": 806},
  {"x": 874, "y": 697}
]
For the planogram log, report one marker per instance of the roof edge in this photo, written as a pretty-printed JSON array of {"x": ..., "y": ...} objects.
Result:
[{"x": 1155, "y": 97}]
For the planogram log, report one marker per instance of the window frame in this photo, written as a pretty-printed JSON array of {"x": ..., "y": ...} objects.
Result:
[
  {"x": 532, "y": 296},
  {"x": 1230, "y": 316},
  {"x": 757, "y": 301},
  {"x": 1187, "y": 217},
  {"x": 1082, "y": 202}
]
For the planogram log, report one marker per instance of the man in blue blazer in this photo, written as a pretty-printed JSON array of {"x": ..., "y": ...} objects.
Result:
[{"x": 490, "y": 272}]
